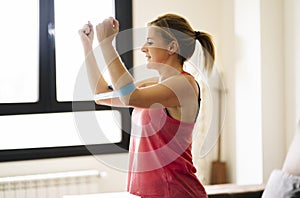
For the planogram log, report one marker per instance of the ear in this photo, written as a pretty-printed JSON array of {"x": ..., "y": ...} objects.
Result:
[{"x": 173, "y": 47}]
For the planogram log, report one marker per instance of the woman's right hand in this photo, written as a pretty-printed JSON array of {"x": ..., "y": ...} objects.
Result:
[{"x": 87, "y": 36}]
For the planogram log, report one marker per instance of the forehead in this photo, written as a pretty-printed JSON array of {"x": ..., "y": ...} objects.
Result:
[
  {"x": 160, "y": 33},
  {"x": 154, "y": 32}
]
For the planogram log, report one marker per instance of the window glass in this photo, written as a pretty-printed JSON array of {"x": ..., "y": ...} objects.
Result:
[
  {"x": 58, "y": 129},
  {"x": 19, "y": 51},
  {"x": 70, "y": 16}
]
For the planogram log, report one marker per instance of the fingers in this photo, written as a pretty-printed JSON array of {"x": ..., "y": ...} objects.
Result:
[
  {"x": 81, "y": 32},
  {"x": 86, "y": 29},
  {"x": 115, "y": 23},
  {"x": 84, "y": 38},
  {"x": 86, "y": 32},
  {"x": 90, "y": 26},
  {"x": 110, "y": 22},
  {"x": 107, "y": 29}
]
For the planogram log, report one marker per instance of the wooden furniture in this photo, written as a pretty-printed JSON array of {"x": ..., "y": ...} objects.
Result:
[
  {"x": 234, "y": 191},
  {"x": 213, "y": 191}
]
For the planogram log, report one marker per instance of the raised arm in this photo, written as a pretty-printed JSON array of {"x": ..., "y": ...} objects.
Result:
[
  {"x": 96, "y": 80},
  {"x": 120, "y": 77}
]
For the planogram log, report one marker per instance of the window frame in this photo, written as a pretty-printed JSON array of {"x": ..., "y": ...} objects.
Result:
[{"x": 48, "y": 103}]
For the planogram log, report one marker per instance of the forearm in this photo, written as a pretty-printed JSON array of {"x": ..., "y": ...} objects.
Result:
[
  {"x": 112, "y": 102},
  {"x": 96, "y": 80},
  {"x": 117, "y": 70}
]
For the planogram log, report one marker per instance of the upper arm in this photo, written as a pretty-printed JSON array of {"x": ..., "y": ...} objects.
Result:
[{"x": 175, "y": 91}]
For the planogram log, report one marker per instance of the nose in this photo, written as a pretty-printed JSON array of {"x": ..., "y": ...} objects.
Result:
[{"x": 144, "y": 48}]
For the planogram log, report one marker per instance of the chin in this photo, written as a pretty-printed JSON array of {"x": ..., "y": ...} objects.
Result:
[{"x": 151, "y": 65}]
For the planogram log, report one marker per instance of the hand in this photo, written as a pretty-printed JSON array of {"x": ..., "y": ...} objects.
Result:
[
  {"x": 107, "y": 30},
  {"x": 87, "y": 35}
]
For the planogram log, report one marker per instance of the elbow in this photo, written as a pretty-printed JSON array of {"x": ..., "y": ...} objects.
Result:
[
  {"x": 98, "y": 102},
  {"x": 106, "y": 102}
]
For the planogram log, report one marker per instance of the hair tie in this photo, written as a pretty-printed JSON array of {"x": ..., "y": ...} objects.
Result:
[{"x": 197, "y": 35}]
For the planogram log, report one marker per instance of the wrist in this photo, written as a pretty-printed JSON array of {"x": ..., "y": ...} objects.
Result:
[
  {"x": 105, "y": 43},
  {"x": 87, "y": 49}
]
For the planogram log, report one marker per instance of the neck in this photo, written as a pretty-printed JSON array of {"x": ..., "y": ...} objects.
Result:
[{"x": 171, "y": 69}]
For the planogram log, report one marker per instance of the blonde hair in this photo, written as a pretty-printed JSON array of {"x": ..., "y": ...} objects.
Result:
[{"x": 177, "y": 27}]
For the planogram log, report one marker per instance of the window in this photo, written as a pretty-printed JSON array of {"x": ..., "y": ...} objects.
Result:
[
  {"x": 19, "y": 70},
  {"x": 41, "y": 57},
  {"x": 68, "y": 48}
]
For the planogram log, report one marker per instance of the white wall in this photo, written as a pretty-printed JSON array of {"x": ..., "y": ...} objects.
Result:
[
  {"x": 272, "y": 75},
  {"x": 292, "y": 68},
  {"x": 226, "y": 56},
  {"x": 247, "y": 91},
  {"x": 202, "y": 15},
  {"x": 279, "y": 43}
]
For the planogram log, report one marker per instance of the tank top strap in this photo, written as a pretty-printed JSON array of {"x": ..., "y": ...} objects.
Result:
[{"x": 184, "y": 72}]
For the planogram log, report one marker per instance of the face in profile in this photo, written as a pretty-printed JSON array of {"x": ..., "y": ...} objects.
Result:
[{"x": 155, "y": 49}]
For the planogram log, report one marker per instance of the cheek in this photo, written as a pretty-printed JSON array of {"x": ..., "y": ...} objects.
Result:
[{"x": 158, "y": 55}]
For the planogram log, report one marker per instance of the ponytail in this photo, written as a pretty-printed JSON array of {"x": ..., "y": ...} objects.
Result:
[{"x": 208, "y": 50}]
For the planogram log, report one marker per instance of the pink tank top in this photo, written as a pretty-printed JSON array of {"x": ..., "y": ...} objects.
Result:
[{"x": 160, "y": 163}]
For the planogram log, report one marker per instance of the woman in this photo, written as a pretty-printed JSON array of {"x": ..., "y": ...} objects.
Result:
[{"x": 165, "y": 109}]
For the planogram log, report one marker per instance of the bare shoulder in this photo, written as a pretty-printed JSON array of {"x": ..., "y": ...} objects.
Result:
[
  {"x": 184, "y": 84},
  {"x": 192, "y": 81}
]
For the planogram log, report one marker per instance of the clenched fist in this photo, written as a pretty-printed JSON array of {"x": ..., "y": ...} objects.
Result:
[{"x": 107, "y": 30}]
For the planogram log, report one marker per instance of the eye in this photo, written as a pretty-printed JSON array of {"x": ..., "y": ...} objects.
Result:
[{"x": 149, "y": 42}]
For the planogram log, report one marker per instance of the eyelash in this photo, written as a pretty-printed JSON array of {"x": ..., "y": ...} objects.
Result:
[{"x": 149, "y": 42}]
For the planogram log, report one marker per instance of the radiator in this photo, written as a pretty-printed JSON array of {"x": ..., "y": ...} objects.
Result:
[{"x": 52, "y": 185}]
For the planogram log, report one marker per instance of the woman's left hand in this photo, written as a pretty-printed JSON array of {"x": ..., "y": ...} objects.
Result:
[
  {"x": 107, "y": 30},
  {"x": 87, "y": 36}
]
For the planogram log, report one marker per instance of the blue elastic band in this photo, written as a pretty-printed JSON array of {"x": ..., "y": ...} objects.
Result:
[
  {"x": 126, "y": 90},
  {"x": 123, "y": 91}
]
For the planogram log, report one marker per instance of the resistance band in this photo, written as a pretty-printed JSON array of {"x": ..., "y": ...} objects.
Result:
[{"x": 123, "y": 91}]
